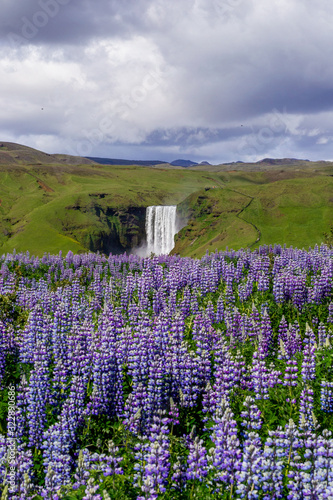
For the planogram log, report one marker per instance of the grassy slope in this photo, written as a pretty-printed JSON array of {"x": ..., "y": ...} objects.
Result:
[
  {"x": 291, "y": 207},
  {"x": 39, "y": 203},
  {"x": 214, "y": 223},
  {"x": 296, "y": 212},
  {"x": 36, "y": 200}
]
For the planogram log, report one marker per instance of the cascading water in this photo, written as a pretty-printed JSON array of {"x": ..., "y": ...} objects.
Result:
[{"x": 160, "y": 229}]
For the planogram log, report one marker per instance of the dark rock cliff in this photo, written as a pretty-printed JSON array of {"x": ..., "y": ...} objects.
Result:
[
  {"x": 125, "y": 230},
  {"x": 99, "y": 227}
]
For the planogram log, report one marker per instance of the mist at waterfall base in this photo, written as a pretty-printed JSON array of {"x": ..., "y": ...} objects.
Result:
[{"x": 161, "y": 227}]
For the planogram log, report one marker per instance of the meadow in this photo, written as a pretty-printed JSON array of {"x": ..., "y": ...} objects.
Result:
[
  {"x": 167, "y": 377},
  {"x": 50, "y": 203}
]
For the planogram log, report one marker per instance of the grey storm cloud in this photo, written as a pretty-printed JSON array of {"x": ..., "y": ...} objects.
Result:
[
  {"x": 65, "y": 21},
  {"x": 192, "y": 136},
  {"x": 222, "y": 80}
]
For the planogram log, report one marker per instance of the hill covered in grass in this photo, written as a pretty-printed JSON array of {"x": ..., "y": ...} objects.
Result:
[
  {"x": 57, "y": 202},
  {"x": 17, "y": 154}
]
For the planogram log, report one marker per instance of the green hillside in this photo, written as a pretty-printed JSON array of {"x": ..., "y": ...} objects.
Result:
[{"x": 54, "y": 202}]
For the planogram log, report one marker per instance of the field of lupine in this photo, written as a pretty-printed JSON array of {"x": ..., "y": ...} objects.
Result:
[{"x": 167, "y": 377}]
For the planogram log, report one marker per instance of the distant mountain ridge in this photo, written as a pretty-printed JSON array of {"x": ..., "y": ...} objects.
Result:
[
  {"x": 190, "y": 163},
  {"x": 119, "y": 161},
  {"x": 269, "y": 161},
  {"x": 280, "y": 161},
  {"x": 183, "y": 163},
  {"x": 17, "y": 154}
]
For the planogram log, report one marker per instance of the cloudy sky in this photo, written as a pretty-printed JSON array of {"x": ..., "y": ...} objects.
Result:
[{"x": 215, "y": 80}]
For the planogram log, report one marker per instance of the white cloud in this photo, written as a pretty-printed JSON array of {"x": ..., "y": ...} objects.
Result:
[
  {"x": 111, "y": 74},
  {"x": 323, "y": 140}
]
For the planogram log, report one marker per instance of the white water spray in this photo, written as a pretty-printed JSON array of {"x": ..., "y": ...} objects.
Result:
[{"x": 160, "y": 229}]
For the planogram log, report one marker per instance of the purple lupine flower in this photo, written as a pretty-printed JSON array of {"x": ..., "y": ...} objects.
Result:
[
  {"x": 311, "y": 486},
  {"x": 309, "y": 362},
  {"x": 302, "y": 483},
  {"x": 112, "y": 461},
  {"x": 56, "y": 456},
  {"x": 139, "y": 354},
  {"x": 251, "y": 416},
  {"x": 3, "y": 457},
  {"x": 31, "y": 334},
  {"x": 156, "y": 393},
  {"x": 323, "y": 465},
  {"x": 3, "y": 351},
  {"x": 273, "y": 376},
  {"x": 61, "y": 436},
  {"x": 197, "y": 466},
  {"x": 161, "y": 332},
  {"x": 173, "y": 413},
  {"x": 190, "y": 380},
  {"x": 322, "y": 335},
  {"x": 60, "y": 328},
  {"x": 274, "y": 455},
  {"x": 38, "y": 395},
  {"x": 225, "y": 457},
  {"x": 247, "y": 328},
  {"x": 156, "y": 470},
  {"x": 90, "y": 491},
  {"x": 59, "y": 385},
  {"x": 24, "y": 471},
  {"x": 135, "y": 420},
  {"x": 326, "y": 396},
  {"x": 16, "y": 469},
  {"x": 224, "y": 377},
  {"x": 229, "y": 297},
  {"x": 255, "y": 318},
  {"x": 104, "y": 374},
  {"x": 82, "y": 470},
  {"x": 108, "y": 465},
  {"x": 51, "y": 489},
  {"x": 141, "y": 449},
  {"x": 249, "y": 477},
  {"x": 283, "y": 332},
  {"x": 79, "y": 351},
  {"x": 290, "y": 378},
  {"x": 220, "y": 311},
  {"x": 306, "y": 408},
  {"x": 266, "y": 333},
  {"x": 330, "y": 313},
  {"x": 293, "y": 343},
  {"x": 178, "y": 478},
  {"x": 299, "y": 295},
  {"x": 278, "y": 287},
  {"x": 209, "y": 401},
  {"x": 203, "y": 333},
  {"x": 260, "y": 377},
  {"x": 194, "y": 307},
  {"x": 210, "y": 312},
  {"x": 22, "y": 408},
  {"x": 153, "y": 459}
]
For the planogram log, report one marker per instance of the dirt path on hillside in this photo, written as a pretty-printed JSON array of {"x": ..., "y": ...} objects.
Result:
[{"x": 242, "y": 218}]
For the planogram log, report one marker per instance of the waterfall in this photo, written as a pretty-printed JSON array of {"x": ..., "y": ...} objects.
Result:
[{"x": 160, "y": 229}]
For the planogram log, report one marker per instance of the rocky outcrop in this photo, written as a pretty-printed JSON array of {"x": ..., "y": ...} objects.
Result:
[
  {"x": 103, "y": 228},
  {"x": 124, "y": 231}
]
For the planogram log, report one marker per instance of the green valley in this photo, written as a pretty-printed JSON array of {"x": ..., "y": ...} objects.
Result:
[{"x": 56, "y": 202}]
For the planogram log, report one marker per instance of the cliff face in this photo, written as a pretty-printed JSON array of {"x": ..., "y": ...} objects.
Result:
[
  {"x": 99, "y": 227},
  {"x": 124, "y": 231}
]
